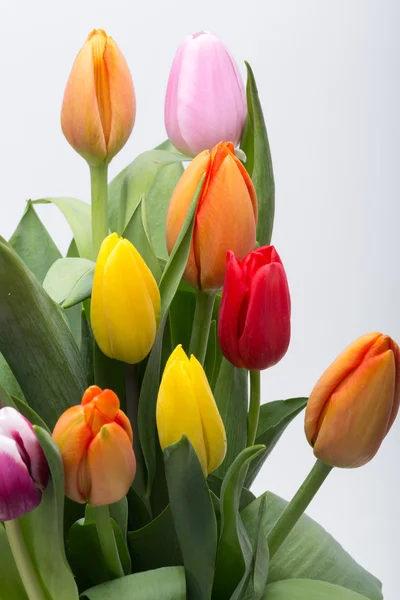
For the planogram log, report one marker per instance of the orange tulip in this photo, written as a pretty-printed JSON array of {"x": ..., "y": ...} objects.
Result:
[
  {"x": 99, "y": 107},
  {"x": 226, "y": 216},
  {"x": 355, "y": 402},
  {"x": 95, "y": 440}
]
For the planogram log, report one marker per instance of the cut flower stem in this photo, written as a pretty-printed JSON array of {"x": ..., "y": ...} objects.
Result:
[
  {"x": 99, "y": 193},
  {"x": 254, "y": 408},
  {"x": 107, "y": 541},
  {"x": 201, "y": 324}
]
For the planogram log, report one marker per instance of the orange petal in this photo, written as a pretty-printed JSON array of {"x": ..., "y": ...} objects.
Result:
[
  {"x": 122, "y": 420},
  {"x": 112, "y": 465},
  {"x": 91, "y": 394}
]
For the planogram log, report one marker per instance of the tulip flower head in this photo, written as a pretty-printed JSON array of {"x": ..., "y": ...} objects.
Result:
[
  {"x": 95, "y": 440},
  {"x": 205, "y": 100},
  {"x": 254, "y": 317},
  {"x": 226, "y": 216},
  {"x": 186, "y": 406},
  {"x": 99, "y": 107},
  {"x": 125, "y": 307},
  {"x": 23, "y": 466},
  {"x": 355, "y": 402}
]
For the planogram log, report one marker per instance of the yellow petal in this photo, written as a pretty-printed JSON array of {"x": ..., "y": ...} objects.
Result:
[
  {"x": 178, "y": 354},
  {"x": 112, "y": 465},
  {"x": 213, "y": 427},
  {"x": 148, "y": 278},
  {"x": 177, "y": 412}
]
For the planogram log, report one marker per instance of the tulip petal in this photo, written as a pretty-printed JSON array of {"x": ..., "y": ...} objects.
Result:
[
  {"x": 18, "y": 493},
  {"x": 177, "y": 412},
  {"x": 122, "y": 420},
  {"x": 213, "y": 427},
  {"x": 396, "y": 400},
  {"x": 170, "y": 112},
  {"x": 147, "y": 277},
  {"x": 73, "y": 436},
  {"x": 112, "y": 465},
  {"x": 178, "y": 354},
  {"x": 355, "y": 421}
]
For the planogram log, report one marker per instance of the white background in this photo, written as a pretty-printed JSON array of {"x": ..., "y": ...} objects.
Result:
[{"x": 328, "y": 78}]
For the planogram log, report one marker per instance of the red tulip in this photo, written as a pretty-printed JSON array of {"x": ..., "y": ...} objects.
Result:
[{"x": 254, "y": 319}]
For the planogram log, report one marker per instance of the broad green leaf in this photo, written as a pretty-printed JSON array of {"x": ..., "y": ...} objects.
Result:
[
  {"x": 23, "y": 408},
  {"x": 11, "y": 587},
  {"x": 43, "y": 529},
  {"x": 181, "y": 313},
  {"x": 211, "y": 353},
  {"x": 307, "y": 589},
  {"x": 193, "y": 515},
  {"x": 137, "y": 233},
  {"x": 146, "y": 550},
  {"x": 259, "y": 163},
  {"x": 177, "y": 261},
  {"x": 36, "y": 341},
  {"x": 309, "y": 552},
  {"x": 170, "y": 581},
  {"x": 231, "y": 396},
  {"x": 32, "y": 242},
  {"x": 235, "y": 553},
  {"x": 77, "y": 213},
  {"x": 274, "y": 418},
  {"x": 7, "y": 379},
  {"x": 69, "y": 281}
]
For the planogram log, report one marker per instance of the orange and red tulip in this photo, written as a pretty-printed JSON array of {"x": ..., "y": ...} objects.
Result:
[
  {"x": 355, "y": 402},
  {"x": 95, "y": 440},
  {"x": 225, "y": 219}
]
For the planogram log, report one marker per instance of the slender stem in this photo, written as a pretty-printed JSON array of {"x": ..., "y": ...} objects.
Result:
[
  {"x": 26, "y": 569},
  {"x": 254, "y": 408},
  {"x": 201, "y": 325},
  {"x": 107, "y": 541},
  {"x": 297, "y": 506},
  {"x": 98, "y": 181}
]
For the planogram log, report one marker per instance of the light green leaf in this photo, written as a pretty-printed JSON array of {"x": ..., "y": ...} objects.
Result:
[
  {"x": 309, "y": 552},
  {"x": 11, "y": 587},
  {"x": 22, "y": 407},
  {"x": 78, "y": 215},
  {"x": 143, "y": 586},
  {"x": 194, "y": 517},
  {"x": 307, "y": 589},
  {"x": 259, "y": 163},
  {"x": 69, "y": 281}
]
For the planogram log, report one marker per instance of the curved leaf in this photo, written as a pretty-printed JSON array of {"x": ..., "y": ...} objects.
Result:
[
  {"x": 69, "y": 281},
  {"x": 11, "y": 587},
  {"x": 307, "y": 589}
]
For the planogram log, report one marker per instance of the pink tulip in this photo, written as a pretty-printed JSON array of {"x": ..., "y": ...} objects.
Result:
[
  {"x": 23, "y": 466},
  {"x": 205, "y": 102}
]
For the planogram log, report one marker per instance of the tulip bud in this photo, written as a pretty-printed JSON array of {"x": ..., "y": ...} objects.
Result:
[
  {"x": 355, "y": 402},
  {"x": 125, "y": 307},
  {"x": 254, "y": 317},
  {"x": 226, "y": 216},
  {"x": 99, "y": 106},
  {"x": 186, "y": 406},
  {"x": 205, "y": 101},
  {"x": 95, "y": 440},
  {"x": 23, "y": 466}
]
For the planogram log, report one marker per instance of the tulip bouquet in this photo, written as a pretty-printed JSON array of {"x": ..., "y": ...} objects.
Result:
[{"x": 131, "y": 423}]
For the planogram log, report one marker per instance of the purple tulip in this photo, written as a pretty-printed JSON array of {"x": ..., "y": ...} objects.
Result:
[
  {"x": 205, "y": 102},
  {"x": 23, "y": 466}
]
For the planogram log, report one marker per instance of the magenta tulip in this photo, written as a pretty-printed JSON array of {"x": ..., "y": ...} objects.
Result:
[
  {"x": 23, "y": 466},
  {"x": 205, "y": 102}
]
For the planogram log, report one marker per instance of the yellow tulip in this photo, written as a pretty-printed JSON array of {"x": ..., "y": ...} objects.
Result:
[
  {"x": 125, "y": 307},
  {"x": 99, "y": 106},
  {"x": 186, "y": 406}
]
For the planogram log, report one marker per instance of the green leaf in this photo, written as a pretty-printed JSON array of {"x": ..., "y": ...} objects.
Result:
[
  {"x": 69, "y": 281},
  {"x": 11, "y": 587},
  {"x": 181, "y": 313},
  {"x": 194, "y": 517},
  {"x": 309, "y": 552},
  {"x": 36, "y": 341},
  {"x": 146, "y": 550},
  {"x": 259, "y": 163},
  {"x": 32, "y": 242},
  {"x": 119, "y": 512},
  {"x": 274, "y": 418},
  {"x": 110, "y": 374},
  {"x": 211, "y": 353},
  {"x": 231, "y": 396},
  {"x": 215, "y": 485},
  {"x": 78, "y": 215},
  {"x": 23, "y": 408},
  {"x": 7, "y": 379},
  {"x": 177, "y": 261},
  {"x": 137, "y": 233},
  {"x": 235, "y": 554},
  {"x": 43, "y": 529},
  {"x": 87, "y": 348},
  {"x": 260, "y": 559},
  {"x": 143, "y": 586},
  {"x": 307, "y": 589}
]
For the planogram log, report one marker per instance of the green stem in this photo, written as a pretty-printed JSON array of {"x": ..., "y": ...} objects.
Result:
[
  {"x": 99, "y": 190},
  {"x": 107, "y": 541},
  {"x": 297, "y": 506},
  {"x": 26, "y": 569},
  {"x": 254, "y": 408},
  {"x": 201, "y": 325}
]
